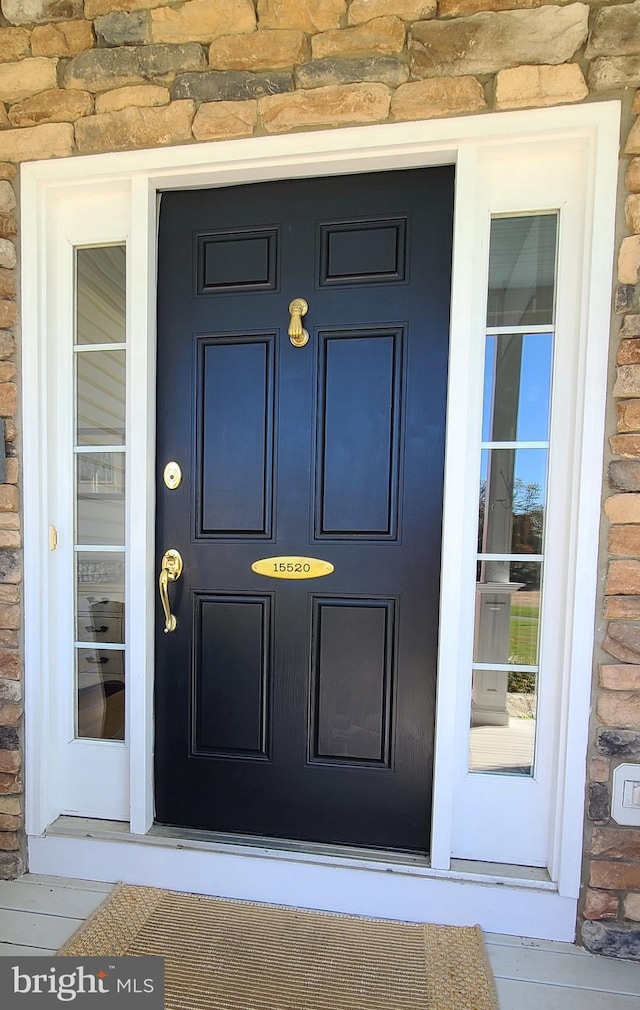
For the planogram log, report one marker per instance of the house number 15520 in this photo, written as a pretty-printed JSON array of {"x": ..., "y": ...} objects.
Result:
[{"x": 292, "y": 567}]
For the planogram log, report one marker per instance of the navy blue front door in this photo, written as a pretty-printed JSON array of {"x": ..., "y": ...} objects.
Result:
[{"x": 303, "y": 708}]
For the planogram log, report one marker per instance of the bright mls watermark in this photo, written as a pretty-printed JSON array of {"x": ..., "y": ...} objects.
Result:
[{"x": 97, "y": 982}]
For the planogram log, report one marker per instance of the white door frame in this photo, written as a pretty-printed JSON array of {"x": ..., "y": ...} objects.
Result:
[{"x": 586, "y": 136}]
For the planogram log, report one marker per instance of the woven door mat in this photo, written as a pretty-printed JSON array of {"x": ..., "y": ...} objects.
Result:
[{"x": 235, "y": 955}]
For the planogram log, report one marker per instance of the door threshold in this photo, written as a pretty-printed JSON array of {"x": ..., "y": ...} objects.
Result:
[
  {"x": 502, "y": 899},
  {"x": 292, "y": 845},
  {"x": 306, "y": 852}
]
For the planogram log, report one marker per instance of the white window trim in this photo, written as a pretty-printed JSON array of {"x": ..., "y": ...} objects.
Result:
[
  {"x": 590, "y": 129},
  {"x": 82, "y": 763},
  {"x": 496, "y": 816}
]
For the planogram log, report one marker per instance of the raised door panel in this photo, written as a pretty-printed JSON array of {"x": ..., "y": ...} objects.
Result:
[
  {"x": 352, "y": 680},
  {"x": 359, "y": 429},
  {"x": 363, "y": 252},
  {"x": 234, "y": 436},
  {"x": 231, "y": 675},
  {"x": 238, "y": 260}
]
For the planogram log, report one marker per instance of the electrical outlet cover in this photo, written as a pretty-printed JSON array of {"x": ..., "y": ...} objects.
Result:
[{"x": 625, "y": 802}]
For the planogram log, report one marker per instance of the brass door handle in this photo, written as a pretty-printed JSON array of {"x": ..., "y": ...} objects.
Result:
[
  {"x": 170, "y": 570},
  {"x": 297, "y": 333}
]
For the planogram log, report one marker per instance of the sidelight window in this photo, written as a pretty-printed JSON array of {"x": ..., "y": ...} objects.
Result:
[
  {"x": 512, "y": 501},
  {"x": 100, "y": 451}
]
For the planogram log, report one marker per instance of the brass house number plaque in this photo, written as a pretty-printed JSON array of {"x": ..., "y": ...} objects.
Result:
[{"x": 291, "y": 566}]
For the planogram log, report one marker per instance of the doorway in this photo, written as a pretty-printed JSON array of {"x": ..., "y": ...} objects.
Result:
[{"x": 289, "y": 706}]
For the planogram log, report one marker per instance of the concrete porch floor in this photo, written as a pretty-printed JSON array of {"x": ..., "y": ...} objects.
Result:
[{"x": 38, "y": 914}]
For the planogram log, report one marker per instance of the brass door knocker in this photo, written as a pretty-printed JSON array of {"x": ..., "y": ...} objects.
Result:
[{"x": 297, "y": 333}]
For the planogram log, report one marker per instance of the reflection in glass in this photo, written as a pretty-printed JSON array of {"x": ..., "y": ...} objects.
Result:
[
  {"x": 100, "y": 295},
  {"x": 100, "y": 685},
  {"x": 513, "y": 489},
  {"x": 522, "y": 264},
  {"x": 100, "y": 397},
  {"x": 503, "y": 704},
  {"x": 100, "y": 597},
  {"x": 512, "y": 501},
  {"x": 517, "y": 387},
  {"x": 508, "y": 613},
  {"x": 100, "y": 498},
  {"x": 506, "y": 745},
  {"x": 100, "y": 492}
]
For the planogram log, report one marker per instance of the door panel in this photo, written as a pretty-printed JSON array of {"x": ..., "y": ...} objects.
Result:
[
  {"x": 363, "y": 252},
  {"x": 352, "y": 680},
  {"x": 359, "y": 413},
  {"x": 231, "y": 675},
  {"x": 234, "y": 438},
  {"x": 239, "y": 260},
  {"x": 303, "y": 709}
]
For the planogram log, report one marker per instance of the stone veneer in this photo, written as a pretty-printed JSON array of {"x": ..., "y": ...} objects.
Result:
[{"x": 108, "y": 75}]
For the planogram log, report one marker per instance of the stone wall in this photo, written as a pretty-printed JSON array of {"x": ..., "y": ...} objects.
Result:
[
  {"x": 11, "y": 805},
  {"x": 107, "y": 75},
  {"x": 611, "y": 901}
]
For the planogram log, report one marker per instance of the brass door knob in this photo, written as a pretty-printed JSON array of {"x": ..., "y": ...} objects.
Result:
[{"x": 170, "y": 570}]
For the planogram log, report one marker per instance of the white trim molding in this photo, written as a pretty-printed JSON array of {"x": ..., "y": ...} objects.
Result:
[
  {"x": 499, "y": 901},
  {"x": 562, "y": 159}
]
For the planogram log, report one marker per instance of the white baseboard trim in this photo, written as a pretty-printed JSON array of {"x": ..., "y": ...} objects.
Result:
[{"x": 383, "y": 891}]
